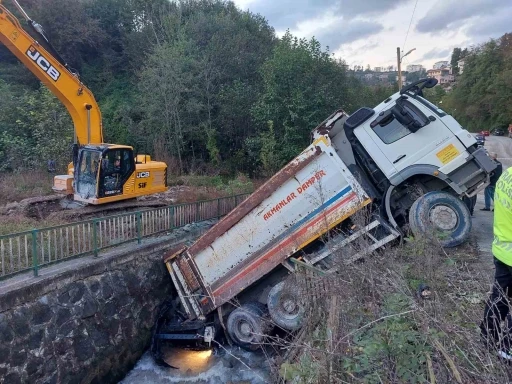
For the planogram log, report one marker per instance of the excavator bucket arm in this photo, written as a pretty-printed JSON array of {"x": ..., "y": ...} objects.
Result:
[{"x": 66, "y": 85}]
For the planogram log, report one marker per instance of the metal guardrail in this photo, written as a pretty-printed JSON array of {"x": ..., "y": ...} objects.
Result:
[{"x": 31, "y": 250}]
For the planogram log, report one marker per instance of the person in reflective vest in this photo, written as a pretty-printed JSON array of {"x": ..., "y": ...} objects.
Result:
[{"x": 497, "y": 307}]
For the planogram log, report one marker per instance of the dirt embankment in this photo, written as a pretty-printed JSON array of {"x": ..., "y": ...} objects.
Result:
[{"x": 48, "y": 210}]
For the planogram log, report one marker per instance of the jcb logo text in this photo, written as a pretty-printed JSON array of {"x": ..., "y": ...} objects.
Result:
[
  {"x": 142, "y": 175},
  {"x": 43, "y": 63}
]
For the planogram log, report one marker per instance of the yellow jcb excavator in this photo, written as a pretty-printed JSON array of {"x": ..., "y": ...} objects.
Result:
[{"x": 100, "y": 172}]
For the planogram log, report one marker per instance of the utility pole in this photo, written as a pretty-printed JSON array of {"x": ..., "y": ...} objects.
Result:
[{"x": 399, "y": 60}]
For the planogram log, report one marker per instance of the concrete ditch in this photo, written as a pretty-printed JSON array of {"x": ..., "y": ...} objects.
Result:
[{"x": 86, "y": 320}]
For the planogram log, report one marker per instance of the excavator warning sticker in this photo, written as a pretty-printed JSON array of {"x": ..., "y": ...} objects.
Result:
[
  {"x": 447, "y": 154},
  {"x": 14, "y": 35}
]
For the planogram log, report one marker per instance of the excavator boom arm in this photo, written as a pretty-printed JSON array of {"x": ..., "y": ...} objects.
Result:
[{"x": 77, "y": 98}]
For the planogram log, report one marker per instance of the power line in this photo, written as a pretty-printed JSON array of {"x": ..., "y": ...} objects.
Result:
[{"x": 410, "y": 23}]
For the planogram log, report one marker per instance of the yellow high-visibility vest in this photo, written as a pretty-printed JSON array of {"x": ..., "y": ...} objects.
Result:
[{"x": 502, "y": 244}]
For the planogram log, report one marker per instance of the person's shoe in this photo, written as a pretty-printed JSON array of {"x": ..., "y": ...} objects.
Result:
[
  {"x": 505, "y": 349},
  {"x": 505, "y": 354},
  {"x": 485, "y": 209}
]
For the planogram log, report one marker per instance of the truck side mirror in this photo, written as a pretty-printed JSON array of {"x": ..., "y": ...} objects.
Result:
[
  {"x": 382, "y": 119},
  {"x": 409, "y": 116},
  {"x": 404, "y": 118}
]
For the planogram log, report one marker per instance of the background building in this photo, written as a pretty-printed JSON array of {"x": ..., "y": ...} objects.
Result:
[
  {"x": 443, "y": 75},
  {"x": 441, "y": 64},
  {"x": 414, "y": 67}
]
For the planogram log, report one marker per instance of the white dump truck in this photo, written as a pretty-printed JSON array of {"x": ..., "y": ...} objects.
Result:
[{"x": 405, "y": 164}]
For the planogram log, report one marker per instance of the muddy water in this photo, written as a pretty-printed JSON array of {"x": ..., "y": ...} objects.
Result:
[{"x": 230, "y": 366}]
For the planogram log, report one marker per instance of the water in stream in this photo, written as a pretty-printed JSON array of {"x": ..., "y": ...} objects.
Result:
[{"x": 231, "y": 366}]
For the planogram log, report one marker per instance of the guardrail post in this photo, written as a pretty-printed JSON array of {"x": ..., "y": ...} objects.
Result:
[
  {"x": 139, "y": 226},
  {"x": 218, "y": 208},
  {"x": 95, "y": 236},
  {"x": 171, "y": 217},
  {"x": 197, "y": 212},
  {"x": 35, "y": 261}
]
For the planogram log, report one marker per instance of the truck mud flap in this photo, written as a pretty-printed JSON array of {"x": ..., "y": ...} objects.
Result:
[
  {"x": 173, "y": 328},
  {"x": 166, "y": 308}
]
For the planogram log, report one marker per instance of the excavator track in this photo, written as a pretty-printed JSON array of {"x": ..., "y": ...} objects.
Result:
[
  {"x": 75, "y": 211},
  {"x": 58, "y": 208}
]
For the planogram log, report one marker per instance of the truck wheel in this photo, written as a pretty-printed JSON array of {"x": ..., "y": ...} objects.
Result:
[
  {"x": 443, "y": 215},
  {"x": 285, "y": 307},
  {"x": 248, "y": 325}
]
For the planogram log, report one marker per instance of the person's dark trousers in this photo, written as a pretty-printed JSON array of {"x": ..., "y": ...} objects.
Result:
[
  {"x": 497, "y": 306},
  {"x": 473, "y": 203},
  {"x": 470, "y": 203},
  {"x": 488, "y": 196}
]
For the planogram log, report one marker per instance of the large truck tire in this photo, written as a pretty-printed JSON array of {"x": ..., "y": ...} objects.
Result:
[
  {"x": 248, "y": 324},
  {"x": 285, "y": 307},
  {"x": 443, "y": 215}
]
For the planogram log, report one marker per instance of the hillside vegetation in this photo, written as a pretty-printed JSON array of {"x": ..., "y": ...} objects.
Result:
[
  {"x": 201, "y": 85},
  {"x": 481, "y": 97}
]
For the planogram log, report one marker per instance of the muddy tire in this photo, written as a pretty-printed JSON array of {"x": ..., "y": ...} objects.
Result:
[
  {"x": 441, "y": 215},
  {"x": 285, "y": 307},
  {"x": 248, "y": 325}
]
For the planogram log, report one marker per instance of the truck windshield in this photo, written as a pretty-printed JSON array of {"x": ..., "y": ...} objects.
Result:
[{"x": 87, "y": 173}]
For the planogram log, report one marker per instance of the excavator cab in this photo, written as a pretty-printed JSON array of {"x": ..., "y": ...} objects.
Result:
[
  {"x": 102, "y": 171},
  {"x": 108, "y": 172},
  {"x": 116, "y": 168}
]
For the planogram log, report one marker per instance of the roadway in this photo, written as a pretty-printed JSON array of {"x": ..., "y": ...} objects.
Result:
[
  {"x": 483, "y": 220},
  {"x": 502, "y": 145}
]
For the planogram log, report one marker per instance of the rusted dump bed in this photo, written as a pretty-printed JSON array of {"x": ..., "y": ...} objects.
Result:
[{"x": 313, "y": 193}]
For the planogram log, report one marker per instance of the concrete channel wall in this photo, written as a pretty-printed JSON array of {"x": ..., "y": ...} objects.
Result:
[{"x": 88, "y": 321}]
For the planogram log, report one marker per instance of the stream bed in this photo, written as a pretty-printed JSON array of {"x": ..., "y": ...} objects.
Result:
[{"x": 231, "y": 365}]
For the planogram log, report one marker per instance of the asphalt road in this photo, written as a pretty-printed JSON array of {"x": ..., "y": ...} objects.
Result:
[
  {"x": 502, "y": 145},
  {"x": 483, "y": 220}
]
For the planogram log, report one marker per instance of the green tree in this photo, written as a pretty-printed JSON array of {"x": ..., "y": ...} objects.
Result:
[
  {"x": 456, "y": 56},
  {"x": 194, "y": 83},
  {"x": 415, "y": 76},
  {"x": 481, "y": 97},
  {"x": 302, "y": 85},
  {"x": 435, "y": 95},
  {"x": 164, "y": 82},
  {"x": 34, "y": 128}
]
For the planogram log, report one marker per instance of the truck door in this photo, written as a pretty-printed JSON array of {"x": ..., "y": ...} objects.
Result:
[{"x": 418, "y": 138}]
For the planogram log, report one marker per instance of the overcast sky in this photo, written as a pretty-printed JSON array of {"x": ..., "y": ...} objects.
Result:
[{"x": 368, "y": 31}]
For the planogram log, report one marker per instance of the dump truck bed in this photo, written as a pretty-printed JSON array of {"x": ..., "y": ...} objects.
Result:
[{"x": 310, "y": 195}]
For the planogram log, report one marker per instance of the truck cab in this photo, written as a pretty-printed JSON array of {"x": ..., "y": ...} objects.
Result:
[
  {"x": 406, "y": 147},
  {"x": 362, "y": 183}
]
